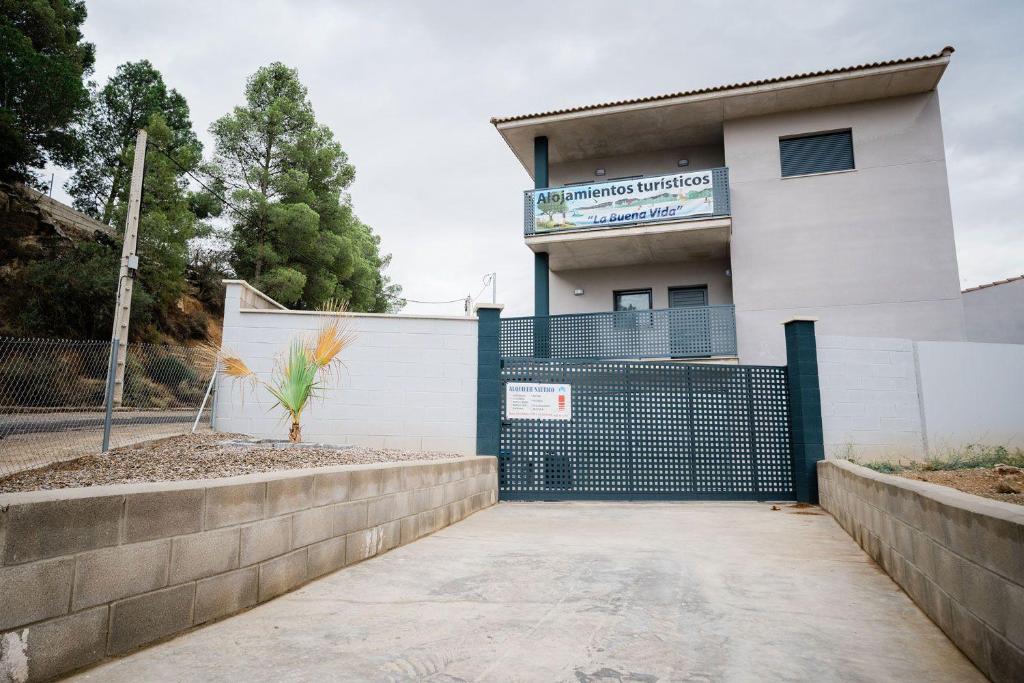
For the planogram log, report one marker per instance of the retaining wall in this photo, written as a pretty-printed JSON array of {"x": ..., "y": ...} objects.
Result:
[
  {"x": 91, "y": 572},
  {"x": 959, "y": 557}
]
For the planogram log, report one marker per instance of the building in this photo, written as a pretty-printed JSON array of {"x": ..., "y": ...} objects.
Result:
[
  {"x": 994, "y": 312},
  {"x": 693, "y": 223}
]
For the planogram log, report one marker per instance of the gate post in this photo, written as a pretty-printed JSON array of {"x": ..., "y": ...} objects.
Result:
[
  {"x": 488, "y": 378},
  {"x": 804, "y": 407}
]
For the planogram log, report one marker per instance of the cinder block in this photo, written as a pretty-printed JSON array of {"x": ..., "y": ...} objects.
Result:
[
  {"x": 266, "y": 539},
  {"x": 220, "y": 596},
  {"x": 363, "y": 544},
  {"x": 163, "y": 513},
  {"x": 349, "y": 517},
  {"x": 390, "y": 480},
  {"x": 419, "y": 476},
  {"x": 234, "y": 504},
  {"x": 36, "y": 591},
  {"x": 326, "y": 556},
  {"x": 200, "y": 555},
  {"x": 61, "y": 645},
  {"x": 949, "y": 572},
  {"x": 145, "y": 618},
  {"x": 310, "y": 526},
  {"x": 970, "y": 635},
  {"x": 1005, "y": 660},
  {"x": 289, "y": 495},
  {"x": 987, "y": 595},
  {"x": 331, "y": 487},
  {"x": 114, "y": 573},
  {"x": 36, "y": 531},
  {"x": 1015, "y": 615},
  {"x": 282, "y": 574},
  {"x": 391, "y": 535},
  {"x": 364, "y": 484}
]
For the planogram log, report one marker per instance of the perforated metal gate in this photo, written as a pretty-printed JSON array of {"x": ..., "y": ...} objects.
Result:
[{"x": 650, "y": 430}]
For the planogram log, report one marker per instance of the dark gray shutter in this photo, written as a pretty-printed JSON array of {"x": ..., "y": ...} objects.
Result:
[
  {"x": 687, "y": 296},
  {"x": 816, "y": 153}
]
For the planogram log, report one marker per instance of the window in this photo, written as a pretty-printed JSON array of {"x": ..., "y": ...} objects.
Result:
[
  {"x": 819, "y": 153},
  {"x": 630, "y": 306}
]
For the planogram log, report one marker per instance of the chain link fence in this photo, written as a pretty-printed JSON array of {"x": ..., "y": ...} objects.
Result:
[{"x": 53, "y": 398}]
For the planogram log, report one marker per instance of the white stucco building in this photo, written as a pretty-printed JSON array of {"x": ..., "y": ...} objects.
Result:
[{"x": 822, "y": 195}]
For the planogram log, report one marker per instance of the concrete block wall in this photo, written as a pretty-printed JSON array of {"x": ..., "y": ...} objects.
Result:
[
  {"x": 959, "y": 557},
  {"x": 869, "y": 400},
  {"x": 92, "y": 572},
  {"x": 407, "y": 381},
  {"x": 895, "y": 399}
]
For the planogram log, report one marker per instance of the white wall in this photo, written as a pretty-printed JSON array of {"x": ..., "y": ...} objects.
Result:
[
  {"x": 407, "y": 382},
  {"x": 598, "y": 284},
  {"x": 869, "y": 401},
  {"x": 972, "y": 393},
  {"x": 995, "y": 313},
  {"x": 868, "y": 251},
  {"x": 888, "y": 399}
]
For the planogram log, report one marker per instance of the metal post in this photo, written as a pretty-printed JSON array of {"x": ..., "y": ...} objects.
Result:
[
  {"x": 804, "y": 407},
  {"x": 108, "y": 396},
  {"x": 123, "y": 309},
  {"x": 206, "y": 396},
  {"x": 488, "y": 383}
]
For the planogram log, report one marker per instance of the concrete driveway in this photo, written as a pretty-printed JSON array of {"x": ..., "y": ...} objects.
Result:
[{"x": 584, "y": 592}]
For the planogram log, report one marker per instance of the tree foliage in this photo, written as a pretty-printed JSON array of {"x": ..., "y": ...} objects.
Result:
[
  {"x": 129, "y": 101},
  {"x": 43, "y": 60},
  {"x": 293, "y": 230}
]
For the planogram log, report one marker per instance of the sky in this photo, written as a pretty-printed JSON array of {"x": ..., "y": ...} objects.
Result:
[{"x": 409, "y": 88}]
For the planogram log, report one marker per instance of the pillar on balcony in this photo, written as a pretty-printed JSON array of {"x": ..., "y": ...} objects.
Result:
[
  {"x": 541, "y": 293},
  {"x": 806, "y": 435}
]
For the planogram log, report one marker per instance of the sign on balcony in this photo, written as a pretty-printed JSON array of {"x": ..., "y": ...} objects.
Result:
[{"x": 622, "y": 202}]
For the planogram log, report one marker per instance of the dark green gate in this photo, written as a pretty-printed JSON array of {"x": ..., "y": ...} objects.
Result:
[{"x": 650, "y": 431}]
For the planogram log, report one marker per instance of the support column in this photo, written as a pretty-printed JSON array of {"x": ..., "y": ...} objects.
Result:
[
  {"x": 541, "y": 287},
  {"x": 804, "y": 407},
  {"x": 488, "y": 379}
]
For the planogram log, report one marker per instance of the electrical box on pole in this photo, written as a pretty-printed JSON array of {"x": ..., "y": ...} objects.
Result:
[{"x": 129, "y": 266}]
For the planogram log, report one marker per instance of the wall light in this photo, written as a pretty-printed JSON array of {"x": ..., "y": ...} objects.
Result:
[
  {"x": 577, "y": 292},
  {"x": 599, "y": 171},
  {"x": 684, "y": 162}
]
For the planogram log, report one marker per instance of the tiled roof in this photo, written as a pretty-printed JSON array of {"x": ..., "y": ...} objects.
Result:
[
  {"x": 993, "y": 284},
  {"x": 945, "y": 52}
]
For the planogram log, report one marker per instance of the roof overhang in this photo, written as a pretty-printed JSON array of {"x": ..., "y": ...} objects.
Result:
[
  {"x": 636, "y": 245},
  {"x": 696, "y": 117}
]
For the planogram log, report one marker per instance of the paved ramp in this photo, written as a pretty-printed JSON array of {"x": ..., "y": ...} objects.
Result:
[{"x": 584, "y": 592}]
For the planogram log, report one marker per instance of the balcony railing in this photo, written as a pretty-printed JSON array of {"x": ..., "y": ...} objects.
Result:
[
  {"x": 687, "y": 332},
  {"x": 692, "y": 195}
]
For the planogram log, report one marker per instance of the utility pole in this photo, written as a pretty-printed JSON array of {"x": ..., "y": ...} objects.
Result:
[{"x": 129, "y": 265}]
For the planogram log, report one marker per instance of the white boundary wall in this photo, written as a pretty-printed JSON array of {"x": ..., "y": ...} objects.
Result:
[
  {"x": 887, "y": 399},
  {"x": 407, "y": 382}
]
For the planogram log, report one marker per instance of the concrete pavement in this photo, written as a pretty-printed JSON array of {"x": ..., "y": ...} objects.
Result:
[{"x": 584, "y": 592}]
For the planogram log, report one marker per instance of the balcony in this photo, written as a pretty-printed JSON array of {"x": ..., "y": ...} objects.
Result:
[
  {"x": 656, "y": 219},
  {"x": 687, "y": 332}
]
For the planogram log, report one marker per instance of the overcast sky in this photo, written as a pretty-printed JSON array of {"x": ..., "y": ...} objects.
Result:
[{"x": 409, "y": 87}]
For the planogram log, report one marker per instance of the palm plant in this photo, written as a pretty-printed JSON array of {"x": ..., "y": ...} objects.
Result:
[{"x": 299, "y": 375}]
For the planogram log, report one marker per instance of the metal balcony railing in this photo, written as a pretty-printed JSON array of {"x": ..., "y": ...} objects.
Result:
[
  {"x": 687, "y": 332},
  {"x": 623, "y": 203}
]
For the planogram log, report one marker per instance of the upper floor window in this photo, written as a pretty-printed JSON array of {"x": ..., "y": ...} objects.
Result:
[
  {"x": 632, "y": 308},
  {"x": 819, "y": 153}
]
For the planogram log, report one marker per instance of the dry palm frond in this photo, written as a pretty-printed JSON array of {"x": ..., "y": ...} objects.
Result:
[{"x": 235, "y": 366}]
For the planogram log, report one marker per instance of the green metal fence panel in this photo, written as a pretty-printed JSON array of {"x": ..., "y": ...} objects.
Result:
[
  {"x": 686, "y": 332},
  {"x": 650, "y": 431}
]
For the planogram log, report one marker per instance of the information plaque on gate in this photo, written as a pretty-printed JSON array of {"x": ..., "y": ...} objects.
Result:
[{"x": 532, "y": 401}]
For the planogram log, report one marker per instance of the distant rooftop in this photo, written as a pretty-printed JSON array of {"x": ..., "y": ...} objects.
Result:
[{"x": 993, "y": 284}]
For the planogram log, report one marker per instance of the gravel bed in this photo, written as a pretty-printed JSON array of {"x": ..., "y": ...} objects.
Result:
[
  {"x": 196, "y": 456},
  {"x": 981, "y": 481}
]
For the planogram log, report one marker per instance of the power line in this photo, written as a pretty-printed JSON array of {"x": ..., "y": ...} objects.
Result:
[{"x": 242, "y": 212}]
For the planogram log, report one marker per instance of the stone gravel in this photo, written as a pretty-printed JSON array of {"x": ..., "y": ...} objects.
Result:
[{"x": 197, "y": 456}]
